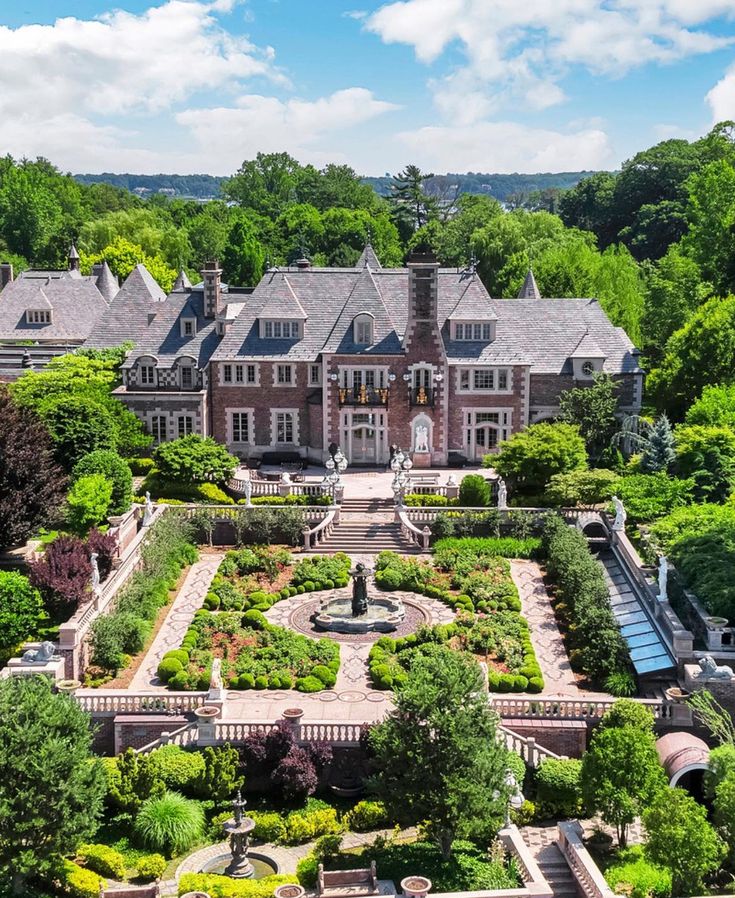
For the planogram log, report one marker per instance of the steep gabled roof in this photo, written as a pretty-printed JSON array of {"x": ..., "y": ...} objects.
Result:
[
  {"x": 107, "y": 283},
  {"x": 368, "y": 259},
  {"x": 364, "y": 298},
  {"x": 282, "y": 301},
  {"x": 587, "y": 348},
  {"x": 130, "y": 312},
  {"x": 474, "y": 304},
  {"x": 182, "y": 281},
  {"x": 76, "y": 306},
  {"x": 530, "y": 289}
]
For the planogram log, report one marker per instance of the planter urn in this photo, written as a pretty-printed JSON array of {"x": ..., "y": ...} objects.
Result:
[{"x": 415, "y": 886}]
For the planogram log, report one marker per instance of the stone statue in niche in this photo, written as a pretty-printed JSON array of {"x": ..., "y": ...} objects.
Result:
[{"x": 421, "y": 438}]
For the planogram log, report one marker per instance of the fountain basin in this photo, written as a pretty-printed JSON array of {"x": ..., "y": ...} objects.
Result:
[
  {"x": 383, "y": 616},
  {"x": 262, "y": 865}
]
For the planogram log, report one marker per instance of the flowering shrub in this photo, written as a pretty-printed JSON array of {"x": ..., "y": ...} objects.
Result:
[{"x": 62, "y": 575}]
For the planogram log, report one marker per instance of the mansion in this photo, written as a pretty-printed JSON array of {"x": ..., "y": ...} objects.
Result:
[{"x": 365, "y": 357}]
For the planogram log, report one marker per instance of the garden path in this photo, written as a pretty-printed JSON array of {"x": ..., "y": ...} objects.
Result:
[
  {"x": 189, "y": 599},
  {"x": 551, "y": 653}
]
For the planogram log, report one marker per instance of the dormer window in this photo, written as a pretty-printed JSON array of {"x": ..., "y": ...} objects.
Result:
[
  {"x": 147, "y": 375},
  {"x": 188, "y": 327},
  {"x": 477, "y": 331},
  {"x": 273, "y": 329},
  {"x": 38, "y": 316},
  {"x": 363, "y": 330}
]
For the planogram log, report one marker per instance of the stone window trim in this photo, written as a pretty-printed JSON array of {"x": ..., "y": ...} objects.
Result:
[
  {"x": 38, "y": 316},
  {"x": 315, "y": 374},
  {"x": 147, "y": 375},
  {"x": 473, "y": 331},
  {"x": 184, "y": 425},
  {"x": 188, "y": 327},
  {"x": 284, "y": 374},
  {"x": 499, "y": 420},
  {"x": 280, "y": 329},
  {"x": 231, "y": 426},
  {"x": 239, "y": 374},
  {"x": 484, "y": 379},
  {"x": 276, "y": 420},
  {"x": 354, "y": 376},
  {"x": 158, "y": 426}
]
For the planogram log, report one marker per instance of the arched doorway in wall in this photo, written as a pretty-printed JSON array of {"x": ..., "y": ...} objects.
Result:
[
  {"x": 364, "y": 437},
  {"x": 685, "y": 758},
  {"x": 485, "y": 429}
]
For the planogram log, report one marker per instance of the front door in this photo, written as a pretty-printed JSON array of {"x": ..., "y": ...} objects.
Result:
[{"x": 364, "y": 450}]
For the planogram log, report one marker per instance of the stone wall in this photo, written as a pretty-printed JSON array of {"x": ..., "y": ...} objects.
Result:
[
  {"x": 563, "y": 737},
  {"x": 137, "y": 730},
  {"x": 545, "y": 389}
]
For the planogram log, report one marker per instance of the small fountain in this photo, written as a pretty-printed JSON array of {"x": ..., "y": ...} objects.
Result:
[
  {"x": 361, "y": 614},
  {"x": 240, "y": 864}
]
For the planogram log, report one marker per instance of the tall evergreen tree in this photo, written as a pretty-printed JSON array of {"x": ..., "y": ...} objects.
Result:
[
  {"x": 659, "y": 454},
  {"x": 408, "y": 195}
]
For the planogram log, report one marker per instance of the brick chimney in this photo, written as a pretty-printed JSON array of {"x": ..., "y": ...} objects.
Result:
[
  {"x": 6, "y": 274},
  {"x": 212, "y": 277},
  {"x": 423, "y": 289}
]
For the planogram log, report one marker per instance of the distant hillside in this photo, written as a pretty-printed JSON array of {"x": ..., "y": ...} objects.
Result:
[
  {"x": 500, "y": 186},
  {"x": 206, "y": 187},
  {"x": 201, "y": 187}
]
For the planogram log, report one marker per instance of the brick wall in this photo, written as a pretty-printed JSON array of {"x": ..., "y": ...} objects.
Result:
[
  {"x": 137, "y": 730},
  {"x": 545, "y": 388},
  {"x": 563, "y": 737}
]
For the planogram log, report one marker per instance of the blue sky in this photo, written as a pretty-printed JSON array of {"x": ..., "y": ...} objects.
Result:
[{"x": 453, "y": 85}]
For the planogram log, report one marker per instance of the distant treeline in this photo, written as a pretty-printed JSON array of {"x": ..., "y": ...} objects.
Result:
[
  {"x": 502, "y": 187},
  {"x": 202, "y": 187}
]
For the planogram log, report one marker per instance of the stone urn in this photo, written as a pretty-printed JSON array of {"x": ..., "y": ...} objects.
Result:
[
  {"x": 68, "y": 686},
  {"x": 676, "y": 694},
  {"x": 206, "y": 713},
  {"x": 196, "y": 895},
  {"x": 293, "y": 715},
  {"x": 289, "y": 890},
  {"x": 716, "y": 623},
  {"x": 415, "y": 886}
]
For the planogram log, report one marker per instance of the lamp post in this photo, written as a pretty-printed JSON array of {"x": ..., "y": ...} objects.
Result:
[
  {"x": 515, "y": 796},
  {"x": 401, "y": 466},
  {"x": 336, "y": 465}
]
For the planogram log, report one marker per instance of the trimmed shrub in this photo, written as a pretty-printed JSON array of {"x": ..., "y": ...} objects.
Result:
[
  {"x": 309, "y": 684},
  {"x": 177, "y": 769},
  {"x": 151, "y": 866},
  {"x": 324, "y": 674},
  {"x": 366, "y": 816},
  {"x": 140, "y": 466},
  {"x": 170, "y": 824},
  {"x": 306, "y": 871},
  {"x": 633, "y": 875},
  {"x": 87, "y": 502},
  {"x": 103, "y": 860},
  {"x": 474, "y": 491},
  {"x": 558, "y": 785},
  {"x": 224, "y": 887},
  {"x": 62, "y": 575},
  {"x": 76, "y": 882},
  {"x": 116, "y": 470},
  {"x": 168, "y": 667}
]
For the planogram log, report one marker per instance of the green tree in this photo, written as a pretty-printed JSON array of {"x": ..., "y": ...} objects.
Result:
[
  {"x": 115, "y": 469},
  {"x": 700, "y": 354},
  {"x": 131, "y": 779},
  {"x": 51, "y": 785},
  {"x": 409, "y": 197},
  {"x": 220, "y": 778},
  {"x": 88, "y": 502},
  {"x": 243, "y": 260},
  {"x": 592, "y": 409},
  {"x": 122, "y": 256},
  {"x": 724, "y": 807},
  {"x": 30, "y": 212},
  {"x": 589, "y": 205},
  {"x": 31, "y": 483},
  {"x": 680, "y": 838},
  {"x": 195, "y": 459},
  {"x": 659, "y": 447},
  {"x": 628, "y": 713},
  {"x": 710, "y": 241},
  {"x": 266, "y": 184},
  {"x": 621, "y": 775},
  {"x": 707, "y": 456},
  {"x": 531, "y": 457},
  {"x": 582, "y": 487},
  {"x": 438, "y": 755},
  {"x": 715, "y": 407},
  {"x": 21, "y": 609},
  {"x": 77, "y": 427}
]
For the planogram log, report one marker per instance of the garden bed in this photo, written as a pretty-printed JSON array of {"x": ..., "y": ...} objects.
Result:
[
  {"x": 256, "y": 654},
  {"x": 479, "y": 586}
]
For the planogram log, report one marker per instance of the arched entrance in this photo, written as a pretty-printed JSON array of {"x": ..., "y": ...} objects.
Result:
[
  {"x": 364, "y": 437},
  {"x": 685, "y": 758}
]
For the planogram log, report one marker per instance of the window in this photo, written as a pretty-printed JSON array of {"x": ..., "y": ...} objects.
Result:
[
  {"x": 147, "y": 375},
  {"x": 185, "y": 425},
  {"x": 371, "y": 377},
  {"x": 188, "y": 327},
  {"x": 588, "y": 369},
  {"x": 187, "y": 377},
  {"x": 479, "y": 331},
  {"x": 227, "y": 374},
  {"x": 284, "y": 375},
  {"x": 363, "y": 330},
  {"x": 159, "y": 428},
  {"x": 239, "y": 374},
  {"x": 484, "y": 379},
  {"x": 240, "y": 427},
  {"x": 38, "y": 316},
  {"x": 251, "y": 374},
  {"x": 315, "y": 375},
  {"x": 284, "y": 427},
  {"x": 277, "y": 330}
]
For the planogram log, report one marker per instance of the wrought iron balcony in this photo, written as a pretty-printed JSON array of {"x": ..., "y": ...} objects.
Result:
[
  {"x": 363, "y": 396},
  {"x": 422, "y": 396}
]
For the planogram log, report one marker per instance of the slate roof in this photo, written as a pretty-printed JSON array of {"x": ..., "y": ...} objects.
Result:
[
  {"x": 529, "y": 289},
  {"x": 587, "y": 349},
  {"x": 163, "y": 339},
  {"x": 368, "y": 259},
  {"x": 128, "y": 315},
  {"x": 182, "y": 281},
  {"x": 76, "y": 306},
  {"x": 540, "y": 333},
  {"x": 107, "y": 283}
]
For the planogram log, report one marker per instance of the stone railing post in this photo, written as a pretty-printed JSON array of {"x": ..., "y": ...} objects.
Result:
[{"x": 306, "y": 535}]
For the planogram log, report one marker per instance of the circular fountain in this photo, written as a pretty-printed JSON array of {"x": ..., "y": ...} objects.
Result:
[
  {"x": 240, "y": 863},
  {"x": 362, "y": 613}
]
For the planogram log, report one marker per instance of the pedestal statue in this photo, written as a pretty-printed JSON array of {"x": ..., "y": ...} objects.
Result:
[
  {"x": 663, "y": 577},
  {"x": 359, "y": 590},
  {"x": 502, "y": 494},
  {"x": 620, "y": 514},
  {"x": 148, "y": 510},
  {"x": 95, "y": 581}
]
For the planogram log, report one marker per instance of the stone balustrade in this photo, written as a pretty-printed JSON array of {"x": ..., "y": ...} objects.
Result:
[
  {"x": 420, "y": 536},
  {"x": 527, "y": 747},
  {"x": 590, "y": 881},
  {"x": 99, "y": 702},
  {"x": 568, "y": 708},
  {"x": 321, "y": 531}
]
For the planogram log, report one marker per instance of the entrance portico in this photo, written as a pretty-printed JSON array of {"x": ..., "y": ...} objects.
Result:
[{"x": 364, "y": 436}]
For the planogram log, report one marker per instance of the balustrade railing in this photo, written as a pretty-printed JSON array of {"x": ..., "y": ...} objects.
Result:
[
  {"x": 527, "y": 747},
  {"x": 422, "y": 396},
  {"x": 419, "y": 536},
  {"x": 183, "y": 737},
  {"x": 317, "y": 534},
  {"x": 589, "y": 879},
  {"x": 568, "y": 708},
  {"x": 363, "y": 396},
  {"x": 109, "y": 701}
]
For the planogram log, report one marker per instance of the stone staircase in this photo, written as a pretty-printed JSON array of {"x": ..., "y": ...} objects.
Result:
[
  {"x": 553, "y": 865},
  {"x": 366, "y": 526}
]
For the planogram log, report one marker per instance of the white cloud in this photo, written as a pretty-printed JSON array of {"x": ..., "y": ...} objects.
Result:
[
  {"x": 507, "y": 147},
  {"x": 721, "y": 98},
  {"x": 227, "y": 135},
  {"x": 521, "y": 50}
]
